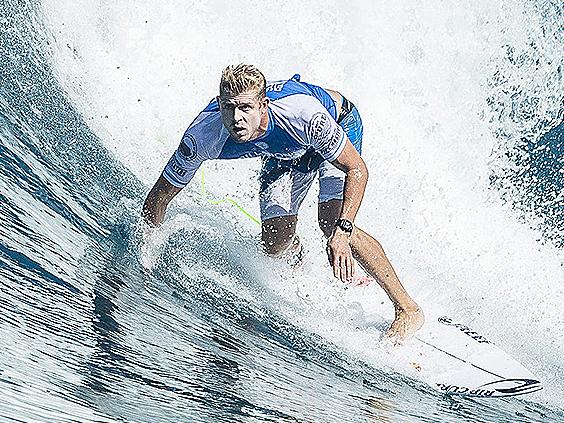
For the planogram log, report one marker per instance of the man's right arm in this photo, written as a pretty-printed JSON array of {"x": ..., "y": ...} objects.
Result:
[
  {"x": 157, "y": 201},
  {"x": 199, "y": 143}
]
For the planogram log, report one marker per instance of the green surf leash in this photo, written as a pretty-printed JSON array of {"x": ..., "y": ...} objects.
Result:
[{"x": 224, "y": 200}]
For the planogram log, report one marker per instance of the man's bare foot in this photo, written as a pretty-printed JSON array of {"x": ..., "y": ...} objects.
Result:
[{"x": 406, "y": 323}]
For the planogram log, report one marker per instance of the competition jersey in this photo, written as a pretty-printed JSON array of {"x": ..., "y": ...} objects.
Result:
[{"x": 301, "y": 117}]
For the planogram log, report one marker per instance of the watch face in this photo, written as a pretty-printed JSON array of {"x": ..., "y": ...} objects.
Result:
[{"x": 345, "y": 225}]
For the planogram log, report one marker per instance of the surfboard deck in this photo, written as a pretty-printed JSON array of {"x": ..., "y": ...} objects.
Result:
[
  {"x": 445, "y": 353},
  {"x": 463, "y": 362},
  {"x": 455, "y": 358}
]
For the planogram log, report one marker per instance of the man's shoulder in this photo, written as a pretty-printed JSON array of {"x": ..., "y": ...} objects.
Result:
[
  {"x": 297, "y": 107},
  {"x": 208, "y": 118},
  {"x": 298, "y": 100},
  {"x": 213, "y": 106},
  {"x": 276, "y": 90},
  {"x": 207, "y": 132}
]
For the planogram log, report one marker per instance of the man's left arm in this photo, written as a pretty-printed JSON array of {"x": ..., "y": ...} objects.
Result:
[
  {"x": 338, "y": 246},
  {"x": 350, "y": 162},
  {"x": 327, "y": 137}
]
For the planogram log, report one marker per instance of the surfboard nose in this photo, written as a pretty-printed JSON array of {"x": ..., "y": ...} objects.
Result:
[{"x": 511, "y": 387}]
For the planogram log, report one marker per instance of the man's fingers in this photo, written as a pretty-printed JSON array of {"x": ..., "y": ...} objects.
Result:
[
  {"x": 336, "y": 267},
  {"x": 344, "y": 268},
  {"x": 349, "y": 269},
  {"x": 342, "y": 262}
]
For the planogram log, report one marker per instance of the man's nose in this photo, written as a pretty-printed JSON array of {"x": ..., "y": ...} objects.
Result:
[{"x": 237, "y": 114}]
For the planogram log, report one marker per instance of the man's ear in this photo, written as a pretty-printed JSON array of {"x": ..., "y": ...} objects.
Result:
[{"x": 265, "y": 101}]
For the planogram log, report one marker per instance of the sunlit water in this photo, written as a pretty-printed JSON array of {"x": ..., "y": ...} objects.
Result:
[{"x": 461, "y": 105}]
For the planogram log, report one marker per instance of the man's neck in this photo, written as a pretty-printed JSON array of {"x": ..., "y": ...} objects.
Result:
[{"x": 263, "y": 127}]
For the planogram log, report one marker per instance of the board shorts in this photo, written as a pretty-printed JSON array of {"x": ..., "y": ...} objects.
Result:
[{"x": 285, "y": 183}]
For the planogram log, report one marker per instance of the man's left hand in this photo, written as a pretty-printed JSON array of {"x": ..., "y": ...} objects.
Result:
[{"x": 340, "y": 256}]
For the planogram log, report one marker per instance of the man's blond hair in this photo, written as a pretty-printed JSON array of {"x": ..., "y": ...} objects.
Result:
[{"x": 241, "y": 78}]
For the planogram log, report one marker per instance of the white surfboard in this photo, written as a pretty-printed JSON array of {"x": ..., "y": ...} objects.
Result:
[
  {"x": 460, "y": 361},
  {"x": 444, "y": 353},
  {"x": 453, "y": 357}
]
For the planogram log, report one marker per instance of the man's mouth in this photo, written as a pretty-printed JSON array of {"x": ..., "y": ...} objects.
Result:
[{"x": 238, "y": 130}]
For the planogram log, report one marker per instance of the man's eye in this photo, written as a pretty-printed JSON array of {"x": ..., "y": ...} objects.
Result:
[{"x": 245, "y": 108}]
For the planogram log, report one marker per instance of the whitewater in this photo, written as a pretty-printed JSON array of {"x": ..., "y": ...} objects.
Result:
[{"x": 462, "y": 105}]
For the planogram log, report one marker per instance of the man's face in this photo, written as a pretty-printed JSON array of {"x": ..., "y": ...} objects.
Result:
[{"x": 242, "y": 115}]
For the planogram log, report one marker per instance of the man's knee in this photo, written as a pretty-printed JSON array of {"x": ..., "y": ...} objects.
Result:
[
  {"x": 278, "y": 234},
  {"x": 276, "y": 247}
]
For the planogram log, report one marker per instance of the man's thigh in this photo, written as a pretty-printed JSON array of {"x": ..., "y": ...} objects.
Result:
[
  {"x": 328, "y": 212},
  {"x": 282, "y": 190}
]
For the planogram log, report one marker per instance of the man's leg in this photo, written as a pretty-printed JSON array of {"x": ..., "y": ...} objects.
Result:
[
  {"x": 283, "y": 189},
  {"x": 278, "y": 234},
  {"x": 327, "y": 214},
  {"x": 368, "y": 252},
  {"x": 370, "y": 255},
  {"x": 279, "y": 239}
]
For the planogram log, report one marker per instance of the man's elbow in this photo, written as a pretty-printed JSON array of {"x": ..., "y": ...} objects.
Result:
[
  {"x": 364, "y": 171},
  {"x": 360, "y": 172}
]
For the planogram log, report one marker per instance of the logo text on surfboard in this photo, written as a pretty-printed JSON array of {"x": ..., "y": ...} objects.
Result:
[
  {"x": 453, "y": 389},
  {"x": 498, "y": 388},
  {"x": 465, "y": 329}
]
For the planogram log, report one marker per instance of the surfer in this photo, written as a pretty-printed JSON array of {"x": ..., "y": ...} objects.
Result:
[{"x": 300, "y": 130}]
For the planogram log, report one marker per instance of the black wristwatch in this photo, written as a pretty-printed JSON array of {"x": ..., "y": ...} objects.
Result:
[{"x": 346, "y": 225}]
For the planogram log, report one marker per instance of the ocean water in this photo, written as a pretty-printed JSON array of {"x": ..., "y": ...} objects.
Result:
[{"x": 463, "y": 108}]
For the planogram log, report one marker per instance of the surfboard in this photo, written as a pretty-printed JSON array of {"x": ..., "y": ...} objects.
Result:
[
  {"x": 445, "y": 353},
  {"x": 460, "y": 361},
  {"x": 453, "y": 357}
]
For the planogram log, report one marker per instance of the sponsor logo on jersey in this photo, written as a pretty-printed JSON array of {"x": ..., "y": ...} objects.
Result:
[
  {"x": 464, "y": 329},
  {"x": 177, "y": 167},
  {"x": 324, "y": 134},
  {"x": 275, "y": 87},
  {"x": 187, "y": 148},
  {"x": 336, "y": 136},
  {"x": 319, "y": 127}
]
